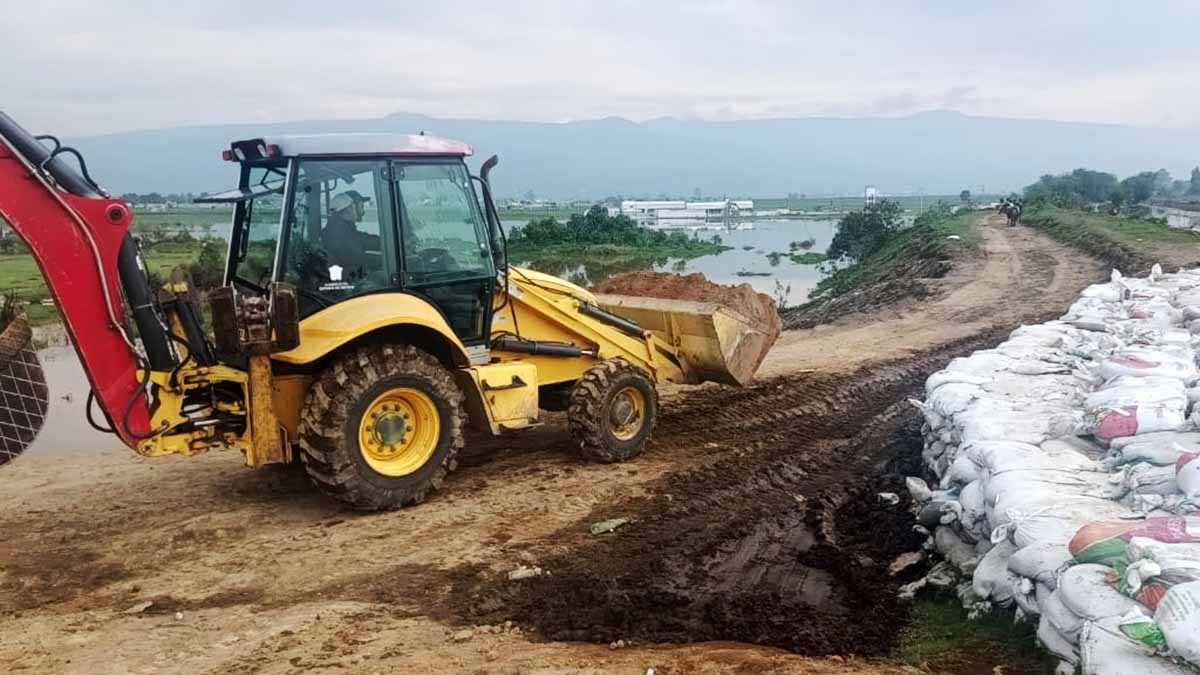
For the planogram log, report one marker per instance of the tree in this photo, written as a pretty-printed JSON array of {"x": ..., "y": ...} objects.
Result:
[
  {"x": 1116, "y": 199},
  {"x": 861, "y": 233},
  {"x": 964, "y": 196},
  {"x": 1140, "y": 187},
  {"x": 1194, "y": 188}
]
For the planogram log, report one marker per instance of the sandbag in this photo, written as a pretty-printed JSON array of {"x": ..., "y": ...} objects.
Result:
[
  {"x": 1104, "y": 650},
  {"x": 1055, "y": 642},
  {"x": 1178, "y": 616},
  {"x": 1041, "y": 561},
  {"x": 1087, "y": 590},
  {"x": 1187, "y": 474},
  {"x": 1066, "y": 622},
  {"x": 1140, "y": 419},
  {"x": 1105, "y": 542},
  {"x": 992, "y": 578}
]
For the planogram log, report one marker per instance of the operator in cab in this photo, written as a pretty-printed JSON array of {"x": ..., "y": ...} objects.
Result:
[{"x": 345, "y": 245}]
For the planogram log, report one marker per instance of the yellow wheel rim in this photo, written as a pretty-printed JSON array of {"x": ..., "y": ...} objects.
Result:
[
  {"x": 627, "y": 413},
  {"x": 399, "y": 431}
]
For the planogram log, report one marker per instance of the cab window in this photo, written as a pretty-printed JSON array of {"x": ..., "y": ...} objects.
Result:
[
  {"x": 444, "y": 233},
  {"x": 340, "y": 233}
]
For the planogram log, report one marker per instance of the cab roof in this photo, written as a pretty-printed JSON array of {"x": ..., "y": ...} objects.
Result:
[{"x": 299, "y": 145}]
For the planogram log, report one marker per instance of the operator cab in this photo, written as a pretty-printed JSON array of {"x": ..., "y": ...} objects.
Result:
[{"x": 344, "y": 215}]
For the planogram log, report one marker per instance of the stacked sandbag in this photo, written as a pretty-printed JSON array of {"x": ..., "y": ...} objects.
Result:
[{"x": 1067, "y": 466}]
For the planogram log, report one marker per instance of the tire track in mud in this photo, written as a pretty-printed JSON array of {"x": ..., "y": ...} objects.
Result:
[{"x": 780, "y": 539}]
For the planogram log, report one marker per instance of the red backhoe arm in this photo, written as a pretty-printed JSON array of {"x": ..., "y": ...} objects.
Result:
[{"x": 76, "y": 241}]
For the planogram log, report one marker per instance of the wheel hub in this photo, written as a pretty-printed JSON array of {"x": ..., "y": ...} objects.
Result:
[
  {"x": 627, "y": 413},
  {"x": 399, "y": 431}
]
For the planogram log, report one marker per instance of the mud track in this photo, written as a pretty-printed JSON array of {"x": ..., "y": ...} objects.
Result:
[{"x": 783, "y": 542}]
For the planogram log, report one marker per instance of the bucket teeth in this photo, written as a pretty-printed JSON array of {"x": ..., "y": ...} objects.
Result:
[{"x": 24, "y": 396}]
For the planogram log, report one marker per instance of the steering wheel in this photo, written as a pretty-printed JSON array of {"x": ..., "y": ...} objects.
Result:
[{"x": 436, "y": 260}]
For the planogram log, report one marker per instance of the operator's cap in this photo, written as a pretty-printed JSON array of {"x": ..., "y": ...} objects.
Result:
[{"x": 347, "y": 199}]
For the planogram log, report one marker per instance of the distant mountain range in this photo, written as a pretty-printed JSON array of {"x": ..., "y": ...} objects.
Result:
[{"x": 935, "y": 152}]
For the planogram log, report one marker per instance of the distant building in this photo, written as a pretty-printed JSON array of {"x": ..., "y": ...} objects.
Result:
[
  {"x": 870, "y": 195},
  {"x": 664, "y": 212},
  {"x": 1179, "y": 215}
]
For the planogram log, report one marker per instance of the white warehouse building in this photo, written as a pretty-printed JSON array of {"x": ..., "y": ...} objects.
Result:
[{"x": 662, "y": 212}]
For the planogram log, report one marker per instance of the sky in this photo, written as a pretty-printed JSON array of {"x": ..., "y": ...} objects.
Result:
[{"x": 79, "y": 67}]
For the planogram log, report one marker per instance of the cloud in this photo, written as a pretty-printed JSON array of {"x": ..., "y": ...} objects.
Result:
[{"x": 81, "y": 67}]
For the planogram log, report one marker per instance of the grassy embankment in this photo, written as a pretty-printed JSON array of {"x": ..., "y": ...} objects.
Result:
[
  {"x": 19, "y": 274},
  {"x": 1129, "y": 244},
  {"x": 892, "y": 271}
]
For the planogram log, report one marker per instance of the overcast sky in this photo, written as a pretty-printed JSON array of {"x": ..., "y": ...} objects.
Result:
[{"x": 80, "y": 67}]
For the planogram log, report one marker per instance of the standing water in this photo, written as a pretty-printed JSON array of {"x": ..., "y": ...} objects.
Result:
[{"x": 748, "y": 259}]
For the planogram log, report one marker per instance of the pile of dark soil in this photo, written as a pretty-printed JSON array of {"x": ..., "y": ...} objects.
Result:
[{"x": 782, "y": 539}]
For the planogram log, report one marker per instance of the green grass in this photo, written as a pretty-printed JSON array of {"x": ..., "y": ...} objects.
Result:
[
  {"x": 896, "y": 257},
  {"x": 941, "y": 638},
  {"x": 1129, "y": 231},
  {"x": 808, "y": 258},
  {"x": 19, "y": 274},
  {"x": 1130, "y": 244}
]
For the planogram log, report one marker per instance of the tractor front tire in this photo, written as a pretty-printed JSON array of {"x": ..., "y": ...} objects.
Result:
[
  {"x": 381, "y": 427},
  {"x": 614, "y": 407}
]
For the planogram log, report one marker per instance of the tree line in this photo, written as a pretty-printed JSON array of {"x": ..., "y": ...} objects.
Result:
[{"x": 1085, "y": 186}]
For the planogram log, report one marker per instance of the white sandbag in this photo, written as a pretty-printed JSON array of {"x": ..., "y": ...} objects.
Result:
[
  {"x": 1066, "y": 622},
  {"x": 1041, "y": 561},
  {"x": 1086, "y": 591},
  {"x": 1148, "y": 479},
  {"x": 1149, "y": 363},
  {"x": 1055, "y": 642},
  {"x": 1187, "y": 474},
  {"x": 1162, "y": 448},
  {"x": 1178, "y": 616},
  {"x": 1044, "y": 519},
  {"x": 1104, "y": 650},
  {"x": 962, "y": 470},
  {"x": 991, "y": 579},
  {"x": 918, "y": 489},
  {"x": 1024, "y": 594},
  {"x": 1139, "y": 419},
  {"x": 960, "y": 554},
  {"x": 1129, "y": 391},
  {"x": 1006, "y": 455},
  {"x": 974, "y": 510},
  {"x": 1080, "y": 450}
]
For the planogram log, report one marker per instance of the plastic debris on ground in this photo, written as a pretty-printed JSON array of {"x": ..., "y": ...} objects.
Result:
[{"x": 1066, "y": 465}]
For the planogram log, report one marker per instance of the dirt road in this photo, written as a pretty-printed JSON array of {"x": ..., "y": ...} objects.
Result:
[{"x": 754, "y": 519}]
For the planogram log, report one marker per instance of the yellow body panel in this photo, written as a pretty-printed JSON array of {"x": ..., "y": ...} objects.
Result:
[
  {"x": 509, "y": 393},
  {"x": 288, "y": 400},
  {"x": 332, "y": 327}
]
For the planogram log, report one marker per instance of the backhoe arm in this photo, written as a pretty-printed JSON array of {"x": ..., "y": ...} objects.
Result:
[{"x": 79, "y": 238}]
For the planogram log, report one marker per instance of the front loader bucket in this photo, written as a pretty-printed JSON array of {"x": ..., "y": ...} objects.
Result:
[
  {"x": 24, "y": 396},
  {"x": 714, "y": 342}
]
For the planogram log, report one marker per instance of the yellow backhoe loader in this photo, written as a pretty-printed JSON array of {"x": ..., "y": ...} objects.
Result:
[{"x": 369, "y": 313}]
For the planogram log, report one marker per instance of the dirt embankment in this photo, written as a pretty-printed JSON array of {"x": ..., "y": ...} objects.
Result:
[{"x": 755, "y": 516}]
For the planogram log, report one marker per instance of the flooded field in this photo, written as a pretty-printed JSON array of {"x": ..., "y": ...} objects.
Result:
[{"x": 747, "y": 261}]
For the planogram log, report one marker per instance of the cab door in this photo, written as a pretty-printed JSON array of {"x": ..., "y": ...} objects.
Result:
[{"x": 445, "y": 254}]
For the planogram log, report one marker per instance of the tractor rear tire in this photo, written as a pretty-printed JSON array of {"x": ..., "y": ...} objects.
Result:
[
  {"x": 614, "y": 407},
  {"x": 381, "y": 427}
]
